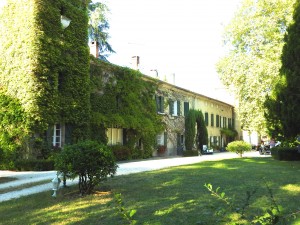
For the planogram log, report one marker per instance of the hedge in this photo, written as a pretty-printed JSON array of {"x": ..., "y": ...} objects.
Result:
[
  {"x": 189, "y": 153},
  {"x": 34, "y": 165},
  {"x": 285, "y": 153}
]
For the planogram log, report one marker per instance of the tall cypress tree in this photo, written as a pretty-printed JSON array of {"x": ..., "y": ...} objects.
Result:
[{"x": 284, "y": 105}]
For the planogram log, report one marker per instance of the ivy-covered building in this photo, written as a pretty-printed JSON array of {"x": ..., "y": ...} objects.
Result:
[
  {"x": 172, "y": 104},
  {"x": 53, "y": 92},
  {"x": 44, "y": 73}
]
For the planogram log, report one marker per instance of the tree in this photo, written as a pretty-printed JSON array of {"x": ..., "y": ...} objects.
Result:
[
  {"x": 88, "y": 160},
  {"x": 254, "y": 38},
  {"x": 239, "y": 147},
  {"x": 283, "y": 114},
  {"x": 98, "y": 26},
  {"x": 195, "y": 119}
]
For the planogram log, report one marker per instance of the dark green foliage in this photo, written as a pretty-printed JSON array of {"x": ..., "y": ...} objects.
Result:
[
  {"x": 121, "y": 97},
  {"x": 188, "y": 153},
  {"x": 121, "y": 152},
  {"x": 195, "y": 117},
  {"x": 283, "y": 106},
  {"x": 286, "y": 153},
  {"x": 34, "y": 165},
  {"x": 89, "y": 160},
  {"x": 13, "y": 129},
  {"x": 202, "y": 136}
]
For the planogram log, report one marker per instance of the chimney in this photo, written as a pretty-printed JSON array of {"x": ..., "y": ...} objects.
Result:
[
  {"x": 135, "y": 62},
  {"x": 94, "y": 48},
  {"x": 173, "y": 76}
]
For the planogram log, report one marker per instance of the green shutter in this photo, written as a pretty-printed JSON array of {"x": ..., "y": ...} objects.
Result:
[
  {"x": 186, "y": 108},
  {"x": 165, "y": 138},
  {"x": 162, "y": 106},
  {"x": 206, "y": 119},
  {"x": 178, "y": 108}
]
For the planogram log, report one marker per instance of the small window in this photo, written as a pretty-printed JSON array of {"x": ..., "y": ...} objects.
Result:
[
  {"x": 212, "y": 120},
  {"x": 224, "y": 122},
  {"x": 114, "y": 136},
  {"x": 174, "y": 108},
  {"x": 159, "y": 104},
  {"x": 56, "y": 141},
  {"x": 217, "y": 121},
  {"x": 229, "y": 123},
  {"x": 206, "y": 119},
  {"x": 186, "y": 108}
]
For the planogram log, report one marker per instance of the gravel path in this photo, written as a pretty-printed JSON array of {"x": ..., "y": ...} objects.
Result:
[{"x": 124, "y": 168}]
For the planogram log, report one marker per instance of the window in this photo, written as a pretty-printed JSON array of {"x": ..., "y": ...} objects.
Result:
[
  {"x": 221, "y": 121},
  {"x": 206, "y": 119},
  {"x": 161, "y": 139},
  {"x": 229, "y": 123},
  {"x": 186, "y": 108},
  {"x": 174, "y": 108},
  {"x": 114, "y": 136},
  {"x": 212, "y": 120},
  {"x": 56, "y": 141},
  {"x": 159, "y": 104},
  {"x": 217, "y": 120},
  {"x": 224, "y": 122}
]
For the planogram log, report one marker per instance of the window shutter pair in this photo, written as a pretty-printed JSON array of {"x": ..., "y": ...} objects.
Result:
[
  {"x": 159, "y": 103},
  {"x": 172, "y": 106}
]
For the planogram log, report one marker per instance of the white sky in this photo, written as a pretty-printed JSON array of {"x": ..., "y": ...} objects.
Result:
[{"x": 181, "y": 37}]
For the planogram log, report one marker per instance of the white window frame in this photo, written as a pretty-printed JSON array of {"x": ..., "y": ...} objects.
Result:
[
  {"x": 114, "y": 136},
  {"x": 57, "y": 134},
  {"x": 175, "y": 113}
]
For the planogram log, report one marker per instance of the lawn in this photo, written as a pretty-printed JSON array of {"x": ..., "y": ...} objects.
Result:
[{"x": 170, "y": 196}]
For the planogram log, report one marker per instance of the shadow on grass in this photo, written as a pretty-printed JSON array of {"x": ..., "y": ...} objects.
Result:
[{"x": 168, "y": 196}]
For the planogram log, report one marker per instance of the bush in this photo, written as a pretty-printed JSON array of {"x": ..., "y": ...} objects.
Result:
[
  {"x": 34, "y": 165},
  {"x": 285, "y": 153},
  {"x": 121, "y": 152},
  {"x": 188, "y": 153},
  {"x": 91, "y": 161},
  {"x": 239, "y": 147}
]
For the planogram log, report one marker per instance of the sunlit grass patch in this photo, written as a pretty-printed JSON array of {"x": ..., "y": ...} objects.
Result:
[
  {"x": 294, "y": 189},
  {"x": 169, "y": 196}
]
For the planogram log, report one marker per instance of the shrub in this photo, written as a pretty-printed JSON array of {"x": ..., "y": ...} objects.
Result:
[
  {"x": 91, "y": 161},
  {"x": 188, "y": 153},
  {"x": 239, "y": 147},
  {"x": 121, "y": 152},
  {"x": 34, "y": 165},
  {"x": 285, "y": 153}
]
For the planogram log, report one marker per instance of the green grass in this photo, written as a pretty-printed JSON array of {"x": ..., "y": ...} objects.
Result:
[
  {"x": 171, "y": 196},
  {"x": 7, "y": 179},
  {"x": 23, "y": 186}
]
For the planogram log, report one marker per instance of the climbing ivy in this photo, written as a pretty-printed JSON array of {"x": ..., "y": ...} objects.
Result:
[
  {"x": 43, "y": 67},
  {"x": 120, "y": 97}
]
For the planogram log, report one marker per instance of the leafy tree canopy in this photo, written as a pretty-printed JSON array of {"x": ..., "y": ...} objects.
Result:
[
  {"x": 284, "y": 104},
  {"x": 98, "y": 26},
  {"x": 250, "y": 69}
]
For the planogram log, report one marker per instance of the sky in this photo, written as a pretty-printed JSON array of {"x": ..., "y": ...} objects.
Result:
[{"x": 173, "y": 37}]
